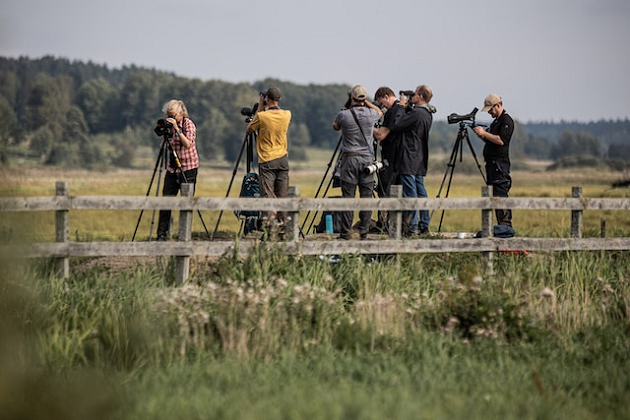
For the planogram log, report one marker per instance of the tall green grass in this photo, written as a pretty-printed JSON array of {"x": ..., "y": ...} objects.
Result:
[{"x": 274, "y": 336}]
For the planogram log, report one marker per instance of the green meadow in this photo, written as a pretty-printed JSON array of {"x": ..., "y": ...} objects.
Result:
[
  {"x": 529, "y": 180},
  {"x": 269, "y": 336}
]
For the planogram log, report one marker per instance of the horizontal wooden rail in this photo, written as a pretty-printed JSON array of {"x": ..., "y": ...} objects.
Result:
[
  {"x": 297, "y": 243},
  {"x": 335, "y": 247},
  {"x": 19, "y": 204}
]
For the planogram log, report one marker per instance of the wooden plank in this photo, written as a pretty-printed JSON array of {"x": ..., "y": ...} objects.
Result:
[
  {"x": 313, "y": 247},
  {"x": 20, "y": 204}
]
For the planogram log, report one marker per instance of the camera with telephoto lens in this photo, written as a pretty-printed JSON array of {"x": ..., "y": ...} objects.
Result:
[
  {"x": 249, "y": 112},
  {"x": 376, "y": 166},
  {"x": 163, "y": 128},
  {"x": 455, "y": 118}
]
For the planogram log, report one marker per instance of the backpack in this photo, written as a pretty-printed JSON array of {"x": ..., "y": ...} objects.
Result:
[{"x": 249, "y": 188}]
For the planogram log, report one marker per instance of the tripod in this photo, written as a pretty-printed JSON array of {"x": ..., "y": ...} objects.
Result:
[
  {"x": 248, "y": 144},
  {"x": 450, "y": 167},
  {"x": 330, "y": 181},
  {"x": 166, "y": 146},
  {"x": 328, "y": 166}
]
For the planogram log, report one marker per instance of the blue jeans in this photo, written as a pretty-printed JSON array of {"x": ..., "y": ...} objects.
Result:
[{"x": 413, "y": 187}]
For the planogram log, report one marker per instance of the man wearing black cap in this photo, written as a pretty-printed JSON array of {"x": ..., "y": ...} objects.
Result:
[
  {"x": 496, "y": 152},
  {"x": 272, "y": 125},
  {"x": 356, "y": 123}
]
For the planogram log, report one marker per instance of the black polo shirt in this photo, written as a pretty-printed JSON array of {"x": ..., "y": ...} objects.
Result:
[
  {"x": 503, "y": 126},
  {"x": 390, "y": 144}
]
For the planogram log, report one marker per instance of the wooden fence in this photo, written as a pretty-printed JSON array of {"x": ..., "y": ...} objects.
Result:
[{"x": 297, "y": 243}]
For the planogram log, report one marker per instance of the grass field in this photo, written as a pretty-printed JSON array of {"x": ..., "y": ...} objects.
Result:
[
  {"x": 546, "y": 336},
  {"x": 214, "y": 180}
]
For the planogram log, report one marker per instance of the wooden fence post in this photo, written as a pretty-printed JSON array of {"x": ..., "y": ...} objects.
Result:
[
  {"x": 486, "y": 229},
  {"x": 394, "y": 218},
  {"x": 293, "y": 218},
  {"x": 577, "y": 216},
  {"x": 182, "y": 265},
  {"x": 62, "y": 230}
]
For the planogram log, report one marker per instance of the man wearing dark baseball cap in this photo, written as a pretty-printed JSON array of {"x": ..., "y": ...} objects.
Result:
[
  {"x": 496, "y": 152},
  {"x": 272, "y": 124}
]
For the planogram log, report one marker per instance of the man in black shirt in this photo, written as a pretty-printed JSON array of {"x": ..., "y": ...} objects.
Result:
[
  {"x": 413, "y": 121},
  {"x": 389, "y": 142},
  {"x": 496, "y": 152}
]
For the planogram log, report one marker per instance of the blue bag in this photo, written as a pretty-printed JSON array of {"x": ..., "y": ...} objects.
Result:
[{"x": 249, "y": 188}]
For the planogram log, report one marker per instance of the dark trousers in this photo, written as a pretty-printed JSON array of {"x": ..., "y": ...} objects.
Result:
[
  {"x": 172, "y": 186},
  {"x": 274, "y": 183},
  {"x": 498, "y": 176},
  {"x": 348, "y": 190},
  {"x": 386, "y": 178}
]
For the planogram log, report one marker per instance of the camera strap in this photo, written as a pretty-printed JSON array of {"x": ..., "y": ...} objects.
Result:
[{"x": 360, "y": 129}]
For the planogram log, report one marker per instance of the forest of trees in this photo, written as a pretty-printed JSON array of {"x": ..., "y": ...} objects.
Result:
[{"x": 61, "y": 112}]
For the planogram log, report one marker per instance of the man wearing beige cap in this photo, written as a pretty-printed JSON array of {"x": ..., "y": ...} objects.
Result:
[
  {"x": 356, "y": 123},
  {"x": 496, "y": 152}
]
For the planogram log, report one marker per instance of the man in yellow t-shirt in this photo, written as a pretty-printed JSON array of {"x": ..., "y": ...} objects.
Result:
[{"x": 272, "y": 123}]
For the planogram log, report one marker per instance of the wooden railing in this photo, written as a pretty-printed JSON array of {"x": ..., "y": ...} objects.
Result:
[{"x": 296, "y": 242}]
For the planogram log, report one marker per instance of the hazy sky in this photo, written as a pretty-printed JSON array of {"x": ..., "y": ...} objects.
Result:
[{"x": 548, "y": 59}]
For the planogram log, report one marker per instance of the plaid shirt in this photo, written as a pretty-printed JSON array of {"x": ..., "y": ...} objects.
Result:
[{"x": 187, "y": 157}]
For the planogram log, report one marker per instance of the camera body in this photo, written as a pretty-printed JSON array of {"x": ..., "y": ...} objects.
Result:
[
  {"x": 375, "y": 166},
  {"x": 163, "y": 128}
]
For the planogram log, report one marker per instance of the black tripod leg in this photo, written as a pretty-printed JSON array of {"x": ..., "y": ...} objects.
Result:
[
  {"x": 472, "y": 151},
  {"x": 450, "y": 169},
  {"x": 330, "y": 162},
  {"x": 157, "y": 164},
  {"x": 238, "y": 160}
]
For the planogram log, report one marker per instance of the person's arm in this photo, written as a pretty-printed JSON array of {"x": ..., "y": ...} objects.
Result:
[
  {"x": 371, "y": 105},
  {"x": 254, "y": 124},
  {"x": 381, "y": 133},
  {"x": 486, "y": 136},
  {"x": 404, "y": 119},
  {"x": 336, "y": 123},
  {"x": 187, "y": 133}
]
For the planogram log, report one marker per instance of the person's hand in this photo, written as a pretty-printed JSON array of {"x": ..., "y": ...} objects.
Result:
[
  {"x": 172, "y": 120},
  {"x": 261, "y": 102},
  {"x": 479, "y": 131}
]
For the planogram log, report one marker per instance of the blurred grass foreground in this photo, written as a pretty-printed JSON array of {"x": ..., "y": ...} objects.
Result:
[
  {"x": 268, "y": 336},
  {"x": 278, "y": 337}
]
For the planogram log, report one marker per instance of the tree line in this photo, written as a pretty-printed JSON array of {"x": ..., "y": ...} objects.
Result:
[{"x": 61, "y": 112}]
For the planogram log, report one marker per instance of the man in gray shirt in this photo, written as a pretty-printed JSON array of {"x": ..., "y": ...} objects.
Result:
[{"x": 356, "y": 123}]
